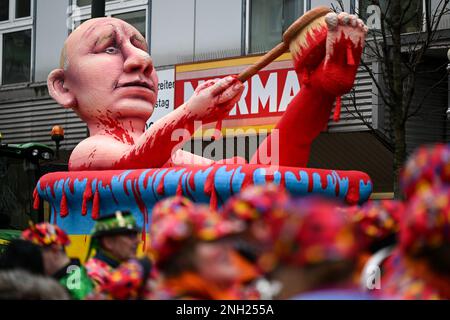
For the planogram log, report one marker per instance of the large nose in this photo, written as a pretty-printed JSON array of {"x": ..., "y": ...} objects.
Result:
[{"x": 137, "y": 60}]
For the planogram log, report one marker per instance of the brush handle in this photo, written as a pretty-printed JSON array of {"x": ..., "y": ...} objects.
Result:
[{"x": 263, "y": 61}]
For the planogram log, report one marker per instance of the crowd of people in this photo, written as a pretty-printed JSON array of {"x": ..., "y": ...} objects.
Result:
[{"x": 263, "y": 243}]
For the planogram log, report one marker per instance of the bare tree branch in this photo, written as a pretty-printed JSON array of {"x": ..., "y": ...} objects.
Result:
[{"x": 425, "y": 96}]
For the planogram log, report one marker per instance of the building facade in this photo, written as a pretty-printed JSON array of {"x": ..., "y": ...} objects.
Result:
[{"x": 194, "y": 40}]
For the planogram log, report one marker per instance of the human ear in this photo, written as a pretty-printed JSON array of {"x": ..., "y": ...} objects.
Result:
[
  {"x": 107, "y": 242},
  {"x": 56, "y": 88}
]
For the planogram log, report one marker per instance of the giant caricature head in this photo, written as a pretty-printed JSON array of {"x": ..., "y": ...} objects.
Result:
[{"x": 106, "y": 73}]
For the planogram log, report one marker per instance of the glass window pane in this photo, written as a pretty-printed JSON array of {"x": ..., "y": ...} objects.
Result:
[
  {"x": 23, "y": 8},
  {"x": 292, "y": 10},
  {"x": 16, "y": 58},
  {"x": 4, "y": 10},
  {"x": 369, "y": 11},
  {"x": 333, "y": 4},
  {"x": 135, "y": 18},
  {"x": 81, "y": 3},
  {"x": 265, "y": 24},
  {"x": 413, "y": 16}
]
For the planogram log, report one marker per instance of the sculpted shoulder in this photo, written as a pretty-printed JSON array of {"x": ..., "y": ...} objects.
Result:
[{"x": 97, "y": 153}]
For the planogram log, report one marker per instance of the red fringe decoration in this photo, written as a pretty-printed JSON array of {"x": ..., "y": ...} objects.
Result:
[
  {"x": 36, "y": 199},
  {"x": 180, "y": 187},
  {"x": 63, "y": 209},
  {"x": 213, "y": 201},
  {"x": 337, "y": 109},
  {"x": 96, "y": 205},
  {"x": 210, "y": 190},
  {"x": 306, "y": 79},
  {"x": 87, "y": 195},
  {"x": 160, "y": 188},
  {"x": 350, "y": 58},
  {"x": 218, "y": 128},
  {"x": 144, "y": 232}
]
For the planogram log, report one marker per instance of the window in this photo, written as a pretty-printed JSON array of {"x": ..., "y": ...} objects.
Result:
[
  {"x": 4, "y": 10},
  {"x": 16, "y": 59},
  {"x": 134, "y": 12},
  {"x": 135, "y": 18},
  {"x": 82, "y": 3},
  {"x": 336, "y": 5},
  {"x": 16, "y": 41},
  {"x": 269, "y": 19},
  {"x": 23, "y": 8},
  {"x": 369, "y": 11}
]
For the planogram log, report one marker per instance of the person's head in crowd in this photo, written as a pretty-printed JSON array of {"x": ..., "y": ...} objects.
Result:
[
  {"x": 21, "y": 285},
  {"x": 53, "y": 240},
  {"x": 378, "y": 223},
  {"x": 427, "y": 167},
  {"x": 191, "y": 249},
  {"x": 425, "y": 233},
  {"x": 258, "y": 207},
  {"x": 129, "y": 281},
  {"x": 419, "y": 269},
  {"x": 22, "y": 254},
  {"x": 117, "y": 236},
  {"x": 315, "y": 250}
]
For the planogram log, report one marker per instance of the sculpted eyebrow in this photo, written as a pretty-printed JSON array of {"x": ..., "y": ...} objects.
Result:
[
  {"x": 105, "y": 37},
  {"x": 89, "y": 31},
  {"x": 139, "y": 39}
]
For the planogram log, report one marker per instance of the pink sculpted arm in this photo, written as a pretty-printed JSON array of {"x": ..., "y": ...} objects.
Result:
[{"x": 159, "y": 145}]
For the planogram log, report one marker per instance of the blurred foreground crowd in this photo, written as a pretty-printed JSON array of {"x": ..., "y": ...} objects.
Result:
[{"x": 262, "y": 244}]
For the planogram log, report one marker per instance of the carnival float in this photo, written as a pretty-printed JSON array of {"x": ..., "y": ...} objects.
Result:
[{"x": 123, "y": 166}]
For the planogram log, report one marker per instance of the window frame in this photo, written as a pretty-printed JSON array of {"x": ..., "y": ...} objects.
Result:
[
  {"x": 14, "y": 24},
  {"x": 111, "y": 8},
  {"x": 248, "y": 16},
  {"x": 424, "y": 4}
]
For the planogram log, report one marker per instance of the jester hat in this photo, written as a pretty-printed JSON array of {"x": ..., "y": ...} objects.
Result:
[
  {"x": 176, "y": 220},
  {"x": 316, "y": 230},
  {"x": 426, "y": 223},
  {"x": 128, "y": 281},
  {"x": 45, "y": 234},
  {"x": 428, "y": 166},
  {"x": 120, "y": 222},
  {"x": 255, "y": 202},
  {"x": 377, "y": 220}
]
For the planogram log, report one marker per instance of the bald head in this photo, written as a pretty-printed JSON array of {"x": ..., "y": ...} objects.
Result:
[
  {"x": 84, "y": 30},
  {"x": 97, "y": 59}
]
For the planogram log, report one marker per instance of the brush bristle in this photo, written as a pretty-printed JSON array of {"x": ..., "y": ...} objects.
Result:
[{"x": 301, "y": 40}]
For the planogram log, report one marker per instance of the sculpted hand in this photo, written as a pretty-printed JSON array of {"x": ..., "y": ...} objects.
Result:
[
  {"x": 213, "y": 99},
  {"x": 344, "y": 47}
]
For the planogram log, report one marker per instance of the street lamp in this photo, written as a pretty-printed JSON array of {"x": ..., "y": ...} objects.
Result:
[{"x": 57, "y": 136}]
